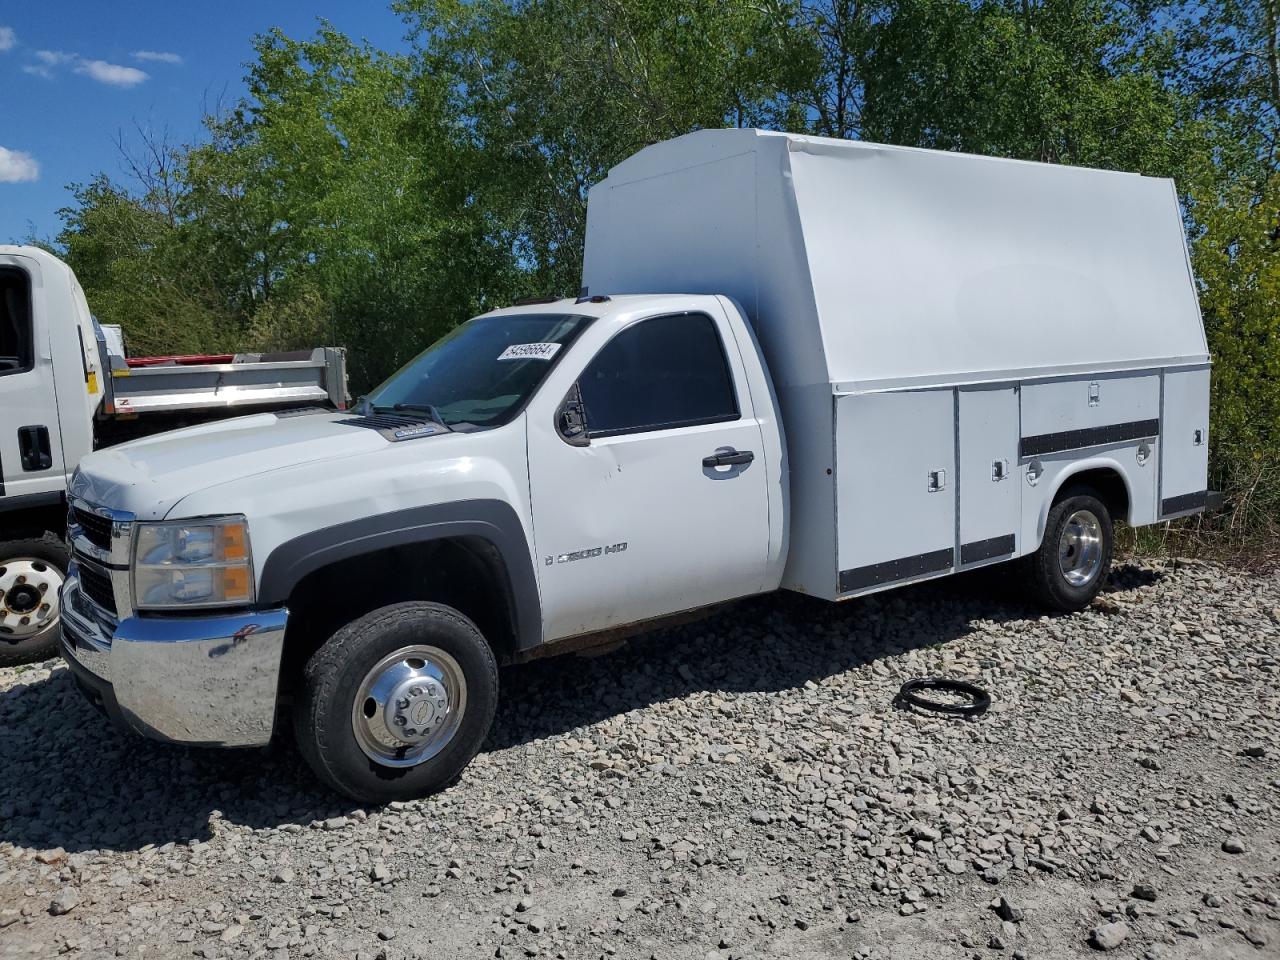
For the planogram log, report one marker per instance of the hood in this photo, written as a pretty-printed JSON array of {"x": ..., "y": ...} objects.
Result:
[{"x": 148, "y": 477}]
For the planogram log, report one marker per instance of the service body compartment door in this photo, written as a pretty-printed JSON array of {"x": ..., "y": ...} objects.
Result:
[
  {"x": 1109, "y": 420},
  {"x": 895, "y": 487},
  {"x": 1067, "y": 416},
  {"x": 990, "y": 495},
  {"x": 1184, "y": 442}
]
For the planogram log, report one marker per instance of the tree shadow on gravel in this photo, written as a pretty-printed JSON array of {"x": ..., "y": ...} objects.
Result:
[{"x": 69, "y": 779}]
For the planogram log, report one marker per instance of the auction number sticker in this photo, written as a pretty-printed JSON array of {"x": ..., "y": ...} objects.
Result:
[{"x": 530, "y": 351}]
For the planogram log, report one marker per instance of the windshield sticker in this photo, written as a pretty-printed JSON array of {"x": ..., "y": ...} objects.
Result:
[{"x": 529, "y": 351}]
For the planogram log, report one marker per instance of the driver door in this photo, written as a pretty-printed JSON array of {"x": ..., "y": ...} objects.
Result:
[
  {"x": 649, "y": 490},
  {"x": 30, "y": 446}
]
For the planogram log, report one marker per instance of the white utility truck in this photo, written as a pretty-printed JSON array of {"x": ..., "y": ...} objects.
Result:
[
  {"x": 66, "y": 388},
  {"x": 799, "y": 363}
]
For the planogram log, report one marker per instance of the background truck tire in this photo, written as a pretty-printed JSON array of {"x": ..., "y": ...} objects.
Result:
[
  {"x": 40, "y": 561},
  {"x": 334, "y": 740},
  {"x": 1068, "y": 570}
]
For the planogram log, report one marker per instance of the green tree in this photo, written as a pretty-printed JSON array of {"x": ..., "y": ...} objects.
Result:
[
  {"x": 333, "y": 185},
  {"x": 1060, "y": 81},
  {"x": 1227, "y": 59},
  {"x": 549, "y": 94},
  {"x": 1237, "y": 262},
  {"x": 125, "y": 252}
]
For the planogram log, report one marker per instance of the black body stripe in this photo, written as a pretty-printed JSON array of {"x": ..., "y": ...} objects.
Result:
[
  {"x": 986, "y": 549},
  {"x": 1089, "y": 437},
  {"x": 1187, "y": 501},
  {"x": 877, "y": 573},
  {"x": 30, "y": 501}
]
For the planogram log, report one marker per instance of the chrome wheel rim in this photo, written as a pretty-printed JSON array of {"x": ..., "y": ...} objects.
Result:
[
  {"x": 1080, "y": 548},
  {"x": 28, "y": 598},
  {"x": 409, "y": 706}
]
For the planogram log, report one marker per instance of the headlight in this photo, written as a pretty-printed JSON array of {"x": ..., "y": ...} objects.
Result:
[{"x": 192, "y": 564}]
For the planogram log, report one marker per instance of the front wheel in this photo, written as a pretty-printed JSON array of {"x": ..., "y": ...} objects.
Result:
[
  {"x": 395, "y": 704},
  {"x": 32, "y": 570},
  {"x": 1069, "y": 568}
]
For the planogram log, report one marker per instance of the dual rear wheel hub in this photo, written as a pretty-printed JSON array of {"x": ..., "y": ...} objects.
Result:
[
  {"x": 28, "y": 598},
  {"x": 1080, "y": 548}
]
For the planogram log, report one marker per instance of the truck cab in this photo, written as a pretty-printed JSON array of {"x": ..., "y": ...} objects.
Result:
[
  {"x": 66, "y": 389},
  {"x": 50, "y": 385},
  {"x": 490, "y": 496}
]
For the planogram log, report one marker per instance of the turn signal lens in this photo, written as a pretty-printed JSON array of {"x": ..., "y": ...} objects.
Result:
[
  {"x": 235, "y": 584},
  {"x": 235, "y": 542}
]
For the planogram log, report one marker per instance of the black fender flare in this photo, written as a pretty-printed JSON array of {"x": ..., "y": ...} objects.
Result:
[{"x": 490, "y": 520}]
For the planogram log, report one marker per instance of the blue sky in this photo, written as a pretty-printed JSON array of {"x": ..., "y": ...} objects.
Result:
[{"x": 74, "y": 74}]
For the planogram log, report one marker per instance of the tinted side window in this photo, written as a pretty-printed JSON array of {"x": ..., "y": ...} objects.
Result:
[
  {"x": 15, "y": 322},
  {"x": 660, "y": 373}
]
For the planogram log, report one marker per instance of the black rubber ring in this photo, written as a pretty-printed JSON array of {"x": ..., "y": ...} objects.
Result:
[{"x": 980, "y": 699}]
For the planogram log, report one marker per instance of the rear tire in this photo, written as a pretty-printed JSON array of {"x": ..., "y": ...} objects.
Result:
[
  {"x": 423, "y": 666},
  {"x": 32, "y": 570},
  {"x": 1074, "y": 557}
]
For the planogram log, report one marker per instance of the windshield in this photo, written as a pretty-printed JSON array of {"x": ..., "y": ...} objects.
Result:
[{"x": 482, "y": 372}]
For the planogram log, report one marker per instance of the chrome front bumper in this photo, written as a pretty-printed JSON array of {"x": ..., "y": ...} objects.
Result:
[{"x": 208, "y": 680}]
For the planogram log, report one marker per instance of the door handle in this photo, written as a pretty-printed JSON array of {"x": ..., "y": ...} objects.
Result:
[
  {"x": 33, "y": 444},
  {"x": 730, "y": 458}
]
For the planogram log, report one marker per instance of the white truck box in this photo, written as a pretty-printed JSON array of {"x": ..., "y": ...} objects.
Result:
[{"x": 950, "y": 336}]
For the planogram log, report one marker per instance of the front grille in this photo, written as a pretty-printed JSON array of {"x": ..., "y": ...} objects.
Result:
[
  {"x": 97, "y": 587},
  {"x": 97, "y": 529}
]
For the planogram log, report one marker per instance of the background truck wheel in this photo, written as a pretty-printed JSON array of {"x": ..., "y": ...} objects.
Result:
[
  {"x": 395, "y": 704},
  {"x": 31, "y": 573},
  {"x": 1071, "y": 565}
]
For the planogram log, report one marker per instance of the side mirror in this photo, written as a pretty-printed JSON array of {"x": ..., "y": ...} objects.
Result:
[{"x": 571, "y": 419}]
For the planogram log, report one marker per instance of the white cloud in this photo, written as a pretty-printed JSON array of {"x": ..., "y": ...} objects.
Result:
[
  {"x": 157, "y": 56},
  {"x": 8, "y": 39},
  {"x": 112, "y": 74},
  {"x": 54, "y": 58},
  {"x": 48, "y": 62},
  {"x": 18, "y": 167}
]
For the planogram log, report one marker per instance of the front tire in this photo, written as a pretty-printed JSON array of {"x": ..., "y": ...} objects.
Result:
[
  {"x": 1074, "y": 557},
  {"x": 32, "y": 570},
  {"x": 395, "y": 704}
]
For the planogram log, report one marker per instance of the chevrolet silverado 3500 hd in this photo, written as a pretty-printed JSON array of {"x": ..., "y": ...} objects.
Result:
[
  {"x": 66, "y": 387},
  {"x": 806, "y": 364}
]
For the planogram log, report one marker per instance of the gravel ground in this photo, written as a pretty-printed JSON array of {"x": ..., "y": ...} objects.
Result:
[{"x": 740, "y": 787}]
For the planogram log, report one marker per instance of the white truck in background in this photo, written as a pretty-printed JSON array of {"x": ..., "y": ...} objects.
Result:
[
  {"x": 67, "y": 388},
  {"x": 798, "y": 363}
]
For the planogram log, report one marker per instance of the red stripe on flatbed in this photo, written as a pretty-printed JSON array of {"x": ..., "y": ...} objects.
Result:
[{"x": 184, "y": 361}]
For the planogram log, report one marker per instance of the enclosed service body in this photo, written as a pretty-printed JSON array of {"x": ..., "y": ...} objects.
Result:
[
  {"x": 951, "y": 337},
  {"x": 825, "y": 366}
]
